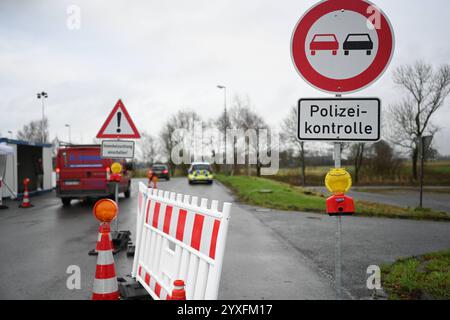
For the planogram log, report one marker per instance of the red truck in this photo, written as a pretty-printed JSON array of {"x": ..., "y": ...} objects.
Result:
[{"x": 82, "y": 173}]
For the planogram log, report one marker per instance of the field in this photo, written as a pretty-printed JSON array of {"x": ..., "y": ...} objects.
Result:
[
  {"x": 437, "y": 173},
  {"x": 277, "y": 195}
]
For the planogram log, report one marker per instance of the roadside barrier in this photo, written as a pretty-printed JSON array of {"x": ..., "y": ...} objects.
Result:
[
  {"x": 178, "y": 240},
  {"x": 105, "y": 282},
  {"x": 26, "y": 197}
]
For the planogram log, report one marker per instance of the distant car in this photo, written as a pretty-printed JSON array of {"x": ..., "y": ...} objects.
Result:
[
  {"x": 161, "y": 171},
  {"x": 358, "y": 41},
  {"x": 324, "y": 42},
  {"x": 200, "y": 172}
]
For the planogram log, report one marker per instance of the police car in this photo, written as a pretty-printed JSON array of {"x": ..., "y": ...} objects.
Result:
[{"x": 200, "y": 172}]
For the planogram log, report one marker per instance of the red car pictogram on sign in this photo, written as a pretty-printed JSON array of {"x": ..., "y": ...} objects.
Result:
[{"x": 324, "y": 42}]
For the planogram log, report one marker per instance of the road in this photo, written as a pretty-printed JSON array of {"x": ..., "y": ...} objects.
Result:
[
  {"x": 269, "y": 255},
  {"x": 403, "y": 197}
]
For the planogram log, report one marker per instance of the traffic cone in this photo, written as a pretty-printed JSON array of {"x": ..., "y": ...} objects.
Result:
[
  {"x": 26, "y": 198},
  {"x": 105, "y": 282},
  {"x": 178, "y": 292}
]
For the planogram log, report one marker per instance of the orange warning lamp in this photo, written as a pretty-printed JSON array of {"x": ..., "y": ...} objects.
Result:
[
  {"x": 105, "y": 210},
  {"x": 116, "y": 169},
  {"x": 340, "y": 205},
  {"x": 338, "y": 181}
]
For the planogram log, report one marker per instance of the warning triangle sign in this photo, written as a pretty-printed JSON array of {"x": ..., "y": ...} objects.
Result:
[{"x": 119, "y": 124}]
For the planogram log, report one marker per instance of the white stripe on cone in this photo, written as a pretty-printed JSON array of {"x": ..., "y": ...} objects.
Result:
[
  {"x": 105, "y": 258},
  {"x": 104, "y": 286}
]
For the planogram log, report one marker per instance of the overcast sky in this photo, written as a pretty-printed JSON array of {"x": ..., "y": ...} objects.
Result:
[{"x": 160, "y": 56}]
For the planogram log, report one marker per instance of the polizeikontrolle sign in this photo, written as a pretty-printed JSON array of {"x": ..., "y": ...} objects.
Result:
[{"x": 344, "y": 119}]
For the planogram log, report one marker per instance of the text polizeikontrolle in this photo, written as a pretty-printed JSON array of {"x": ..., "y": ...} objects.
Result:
[{"x": 344, "y": 119}]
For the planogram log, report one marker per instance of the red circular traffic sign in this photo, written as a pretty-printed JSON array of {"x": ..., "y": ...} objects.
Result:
[{"x": 342, "y": 46}]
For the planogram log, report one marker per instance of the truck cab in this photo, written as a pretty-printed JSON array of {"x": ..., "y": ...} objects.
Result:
[{"x": 82, "y": 173}]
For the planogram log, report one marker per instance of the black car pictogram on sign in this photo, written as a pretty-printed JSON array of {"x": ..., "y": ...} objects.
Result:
[{"x": 358, "y": 41}]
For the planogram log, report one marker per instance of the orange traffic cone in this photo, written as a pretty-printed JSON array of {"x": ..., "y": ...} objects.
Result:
[
  {"x": 26, "y": 198},
  {"x": 105, "y": 282},
  {"x": 178, "y": 292},
  {"x": 152, "y": 179}
]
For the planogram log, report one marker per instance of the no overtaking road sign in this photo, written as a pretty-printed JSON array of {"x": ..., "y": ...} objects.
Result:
[
  {"x": 345, "y": 119},
  {"x": 342, "y": 46}
]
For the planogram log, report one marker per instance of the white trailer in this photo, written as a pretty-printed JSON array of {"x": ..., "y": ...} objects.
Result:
[{"x": 21, "y": 163}]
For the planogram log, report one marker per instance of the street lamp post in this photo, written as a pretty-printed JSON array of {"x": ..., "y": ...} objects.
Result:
[
  {"x": 42, "y": 95},
  {"x": 70, "y": 138},
  {"x": 225, "y": 122}
]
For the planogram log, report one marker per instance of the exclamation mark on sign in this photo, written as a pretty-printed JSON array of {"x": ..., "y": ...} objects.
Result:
[{"x": 119, "y": 117}]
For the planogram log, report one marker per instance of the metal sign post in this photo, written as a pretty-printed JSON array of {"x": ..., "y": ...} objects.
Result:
[
  {"x": 338, "y": 247},
  {"x": 116, "y": 198},
  {"x": 118, "y": 126}
]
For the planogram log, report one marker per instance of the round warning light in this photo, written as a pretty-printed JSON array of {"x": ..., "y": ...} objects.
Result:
[
  {"x": 105, "y": 210},
  {"x": 116, "y": 167},
  {"x": 338, "y": 181}
]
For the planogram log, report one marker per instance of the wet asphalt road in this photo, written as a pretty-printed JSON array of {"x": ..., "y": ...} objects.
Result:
[{"x": 269, "y": 255}]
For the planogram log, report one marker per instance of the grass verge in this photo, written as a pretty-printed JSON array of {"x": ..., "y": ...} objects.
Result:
[
  {"x": 278, "y": 195},
  {"x": 423, "y": 277}
]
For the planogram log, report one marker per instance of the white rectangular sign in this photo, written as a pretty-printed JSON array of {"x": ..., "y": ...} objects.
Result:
[
  {"x": 340, "y": 119},
  {"x": 117, "y": 149}
]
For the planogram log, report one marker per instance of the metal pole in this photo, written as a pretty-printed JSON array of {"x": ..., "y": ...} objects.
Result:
[
  {"x": 116, "y": 197},
  {"x": 422, "y": 156},
  {"x": 225, "y": 125},
  {"x": 338, "y": 246},
  {"x": 42, "y": 122}
]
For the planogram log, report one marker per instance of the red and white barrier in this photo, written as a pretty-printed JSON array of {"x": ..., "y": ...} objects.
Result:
[{"x": 177, "y": 239}]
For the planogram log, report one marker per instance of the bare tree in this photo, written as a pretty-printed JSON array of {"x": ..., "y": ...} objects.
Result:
[
  {"x": 382, "y": 160},
  {"x": 33, "y": 131},
  {"x": 183, "y": 119},
  {"x": 148, "y": 148},
  {"x": 222, "y": 124},
  {"x": 357, "y": 155},
  {"x": 55, "y": 146},
  {"x": 426, "y": 91},
  {"x": 242, "y": 117},
  {"x": 289, "y": 133}
]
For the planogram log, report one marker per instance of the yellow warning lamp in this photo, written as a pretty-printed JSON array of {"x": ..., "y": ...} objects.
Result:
[
  {"x": 105, "y": 210},
  {"x": 338, "y": 181},
  {"x": 116, "y": 167}
]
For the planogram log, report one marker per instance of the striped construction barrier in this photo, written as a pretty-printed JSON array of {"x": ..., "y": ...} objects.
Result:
[
  {"x": 177, "y": 239},
  {"x": 105, "y": 282}
]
